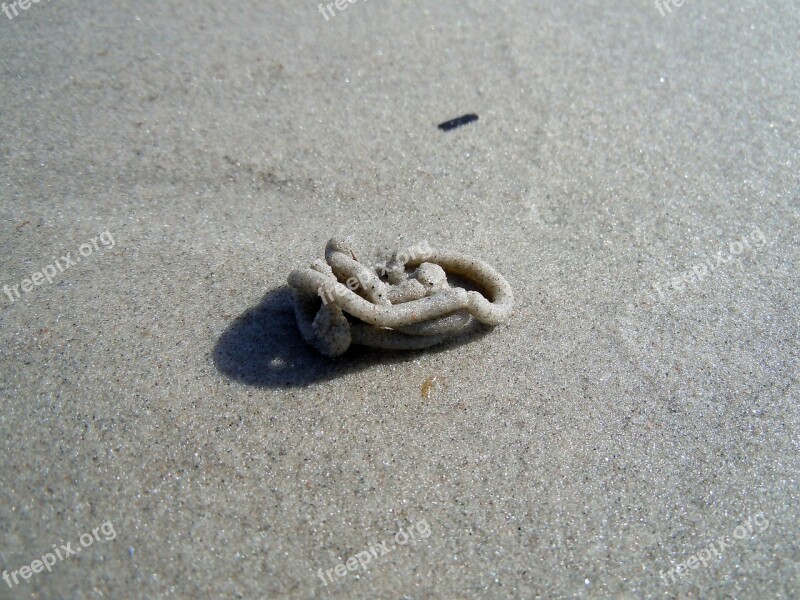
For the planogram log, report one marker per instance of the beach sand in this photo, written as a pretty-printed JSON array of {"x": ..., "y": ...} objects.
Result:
[{"x": 635, "y": 178}]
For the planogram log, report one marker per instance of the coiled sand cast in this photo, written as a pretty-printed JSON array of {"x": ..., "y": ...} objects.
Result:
[{"x": 406, "y": 305}]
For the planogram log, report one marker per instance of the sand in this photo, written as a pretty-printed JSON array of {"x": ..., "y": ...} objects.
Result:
[{"x": 630, "y": 432}]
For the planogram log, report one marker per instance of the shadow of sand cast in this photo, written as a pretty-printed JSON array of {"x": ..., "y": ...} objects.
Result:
[{"x": 263, "y": 347}]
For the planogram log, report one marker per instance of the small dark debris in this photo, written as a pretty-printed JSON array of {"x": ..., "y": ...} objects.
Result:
[{"x": 458, "y": 122}]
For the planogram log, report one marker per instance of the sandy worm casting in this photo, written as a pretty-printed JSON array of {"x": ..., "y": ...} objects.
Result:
[{"x": 413, "y": 308}]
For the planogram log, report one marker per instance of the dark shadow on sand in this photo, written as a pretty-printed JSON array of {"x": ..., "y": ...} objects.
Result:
[{"x": 263, "y": 347}]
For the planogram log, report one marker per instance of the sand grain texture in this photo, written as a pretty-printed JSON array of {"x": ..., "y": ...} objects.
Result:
[{"x": 604, "y": 434}]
